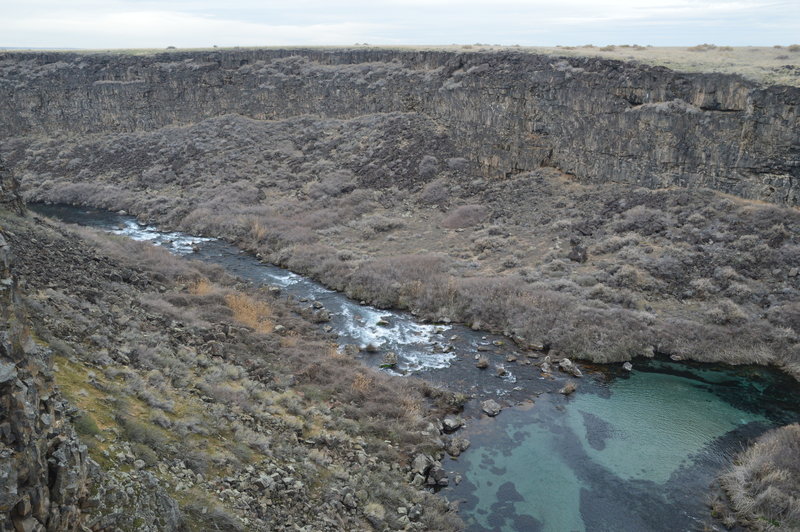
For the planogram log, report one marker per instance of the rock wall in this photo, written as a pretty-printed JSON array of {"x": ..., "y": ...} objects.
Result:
[
  {"x": 43, "y": 467},
  {"x": 601, "y": 120}
]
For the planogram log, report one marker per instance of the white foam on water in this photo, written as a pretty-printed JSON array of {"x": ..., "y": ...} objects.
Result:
[
  {"x": 179, "y": 243},
  {"x": 413, "y": 342},
  {"x": 284, "y": 280}
]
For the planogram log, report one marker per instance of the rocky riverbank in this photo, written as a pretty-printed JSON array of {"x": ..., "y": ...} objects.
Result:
[{"x": 198, "y": 402}]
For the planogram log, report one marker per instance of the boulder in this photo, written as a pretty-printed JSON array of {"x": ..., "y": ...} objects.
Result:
[
  {"x": 567, "y": 366},
  {"x": 491, "y": 407},
  {"x": 422, "y": 464},
  {"x": 389, "y": 360},
  {"x": 452, "y": 423},
  {"x": 627, "y": 366}
]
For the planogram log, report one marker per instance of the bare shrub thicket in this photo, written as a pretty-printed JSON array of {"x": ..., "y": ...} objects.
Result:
[{"x": 465, "y": 216}]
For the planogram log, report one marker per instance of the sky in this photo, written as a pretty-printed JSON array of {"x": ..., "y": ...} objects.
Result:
[{"x": 102, "y": 24}]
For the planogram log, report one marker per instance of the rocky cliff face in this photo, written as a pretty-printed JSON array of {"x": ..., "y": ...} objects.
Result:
[
  {"x": 603, "y": 121},
  {"x": 43, "y": 467}
]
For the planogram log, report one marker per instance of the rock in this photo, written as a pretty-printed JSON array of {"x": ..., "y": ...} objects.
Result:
[
  {"x": 8, "y": 372},
  {"x": 279, "y": 329},
  {"x": 389, "y": 360},
  {"x": 422, "y": 464},
  {"x": 371, "y": 348},
  {"x": 675, "y": 358},
  {"x": 317, "y": 305},
  {"x": 437, "y": 476},
  {"x": 627, "y": 366},
  {"x": 456, "y": 446},
  {"x": 138, "y": 464},
  {"x": 321, "y": 316},
  {"x": 501, "y": 371},
  {"x": 568, "y": 388},
  {"x": 491, "y": 407},
  {"x": 351, "y": 350},
  {"x": 577, "y": 253},
  {"x": 794, "y": 272},
  {"x": 375, "y": 514},
  {"x": 567, "y": 366},
  {"x": 415, "y": 512},
  {"x": 349, "y": 501},
  {"x": 382, "y": 323},
  {"x": 482, "y": 363},
  {"x": 452, "y": 423}
]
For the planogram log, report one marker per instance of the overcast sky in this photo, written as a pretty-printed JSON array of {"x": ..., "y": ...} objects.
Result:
[{"x": 200, "y": 23}]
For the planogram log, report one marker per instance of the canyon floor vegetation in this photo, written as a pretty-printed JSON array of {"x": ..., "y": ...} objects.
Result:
[{"x": 598, "y": 272}]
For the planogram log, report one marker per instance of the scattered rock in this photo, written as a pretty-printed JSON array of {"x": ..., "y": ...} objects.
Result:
[
  {"x": 627, "y": 366},
  {"x": 501, "y": 371},
  {"x": 482, "y": 363}
]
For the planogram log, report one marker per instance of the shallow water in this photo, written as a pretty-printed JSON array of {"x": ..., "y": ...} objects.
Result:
[
  {"x": 630, "y": 452},
  {"x": 625, "y": 452}
]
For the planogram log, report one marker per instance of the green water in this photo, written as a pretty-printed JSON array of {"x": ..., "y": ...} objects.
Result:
[{"x": 636, "y": 453}]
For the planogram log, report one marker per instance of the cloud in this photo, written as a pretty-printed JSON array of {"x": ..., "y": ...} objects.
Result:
[
  {"x": 164, "y": 28},
  {"x": 187, "y": 23}
]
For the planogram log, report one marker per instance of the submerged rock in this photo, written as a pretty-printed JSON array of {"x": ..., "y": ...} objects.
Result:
[{"x": 568, "y": 388}]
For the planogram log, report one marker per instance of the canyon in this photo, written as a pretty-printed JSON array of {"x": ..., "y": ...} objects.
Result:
[{"x": 582, "y": 207}]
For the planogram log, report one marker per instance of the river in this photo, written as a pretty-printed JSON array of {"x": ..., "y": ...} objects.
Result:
[{"x": 628, "y": 451}]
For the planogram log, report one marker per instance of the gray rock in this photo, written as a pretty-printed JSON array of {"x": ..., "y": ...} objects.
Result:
[
  {"x": 415, "y": 512},
  {"x": 627, "y": 366},
  {"x": 567, "y": 366},
  {"x": 452, "y": 423},
  {"x": 422, "y": 464},
  {"x": 8, "y": 372},
  {"x": 491, "y": 407}
]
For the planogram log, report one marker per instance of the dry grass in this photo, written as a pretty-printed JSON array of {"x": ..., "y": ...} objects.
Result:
[
  {"x": 248, "y": 311},
  {"x": 203, "y": 287},
  {"x": 764, "y": 484},
  {"x": 363, "y": 383}
]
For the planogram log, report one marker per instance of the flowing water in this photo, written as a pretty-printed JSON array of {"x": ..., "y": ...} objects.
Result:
[{"x": 628, "y": 451}]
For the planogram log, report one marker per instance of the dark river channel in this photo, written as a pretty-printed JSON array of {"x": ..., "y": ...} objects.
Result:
[{"x": 631, "y": 451}]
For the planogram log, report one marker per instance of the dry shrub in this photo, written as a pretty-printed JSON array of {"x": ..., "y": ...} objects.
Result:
[
  {"x": 464, "y": 216},
  {"x": 255, "y": 314},
  {"x": 203, "y": 287},
  {"x": 362, "y": 383},
  {"x": 764, "y": 483}
]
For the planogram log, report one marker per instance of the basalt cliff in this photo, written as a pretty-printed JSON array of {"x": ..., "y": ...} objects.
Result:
[{"x": 602, "y": 121}]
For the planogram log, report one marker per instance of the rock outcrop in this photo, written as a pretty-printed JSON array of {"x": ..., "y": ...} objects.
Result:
[
  {"x": 43, "y": 467},
  {"x": 600, "y": 120}
]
